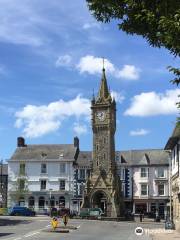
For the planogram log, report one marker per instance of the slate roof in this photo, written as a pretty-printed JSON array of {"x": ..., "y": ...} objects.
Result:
[
  {"x": 173, "y": 139},
  {"x": 45, "y": 152},
  {"x": 143, "y": 157},
  {"x": 84, "y": 159},
  {"x": 131, "y": 157}
]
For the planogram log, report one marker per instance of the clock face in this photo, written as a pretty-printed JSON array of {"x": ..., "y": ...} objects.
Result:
[{"x": 101, "y": 115}]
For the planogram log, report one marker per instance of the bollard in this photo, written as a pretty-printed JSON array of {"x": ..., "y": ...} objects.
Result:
[{"x": 65, "y": 219}]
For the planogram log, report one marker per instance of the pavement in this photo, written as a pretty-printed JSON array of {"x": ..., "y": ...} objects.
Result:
[
  {"x": 39, "y": 228},
  {"x": 166, "y": 235}
]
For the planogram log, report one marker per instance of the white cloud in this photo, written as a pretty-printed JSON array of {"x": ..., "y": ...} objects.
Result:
[
  {"x": 79, "y": 129},
  {"x": 152, "y": 103},
  {"x": 117, "y": 96},
  {"x": 129, "y": 72},
  {"x": 90, "y": 25},
  {"x": 139, "y": 132},
  {"x": 40, "y": 120},
  {"x": 64, "y": 61},
  {"x": 93, "y": 65},
  {"x": 20, "y": 23}
]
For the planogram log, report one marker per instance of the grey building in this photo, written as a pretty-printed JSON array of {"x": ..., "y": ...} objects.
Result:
[{"x": 3, "y": 185}]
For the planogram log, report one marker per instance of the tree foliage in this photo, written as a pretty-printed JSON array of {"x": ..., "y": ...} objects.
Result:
[{"x": 158, "y": 21}]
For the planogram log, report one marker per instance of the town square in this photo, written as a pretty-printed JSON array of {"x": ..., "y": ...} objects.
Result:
[{"x": 90, "y": 128}]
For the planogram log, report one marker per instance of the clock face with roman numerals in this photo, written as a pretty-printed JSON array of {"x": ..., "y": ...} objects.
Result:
[{"x": 100, "y": 115}]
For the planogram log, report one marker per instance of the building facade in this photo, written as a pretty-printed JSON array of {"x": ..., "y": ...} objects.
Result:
[
  {"x": 173, "y": 147},
  {"x": 82, "y": 170},
  {"x": 42, "y": 176},
  {"x": 144, "y": 175},
  {"x": 3, "y": 185}
]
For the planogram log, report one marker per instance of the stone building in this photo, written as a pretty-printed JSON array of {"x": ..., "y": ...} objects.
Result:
[
  {"x": 42, "y": 176},
  {"x": 173, "y": 147}
]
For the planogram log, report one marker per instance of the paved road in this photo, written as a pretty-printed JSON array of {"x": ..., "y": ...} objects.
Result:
[{"x": 38, "y": 228}]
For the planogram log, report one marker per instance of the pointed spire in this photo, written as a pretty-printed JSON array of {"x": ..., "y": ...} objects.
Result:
[{"x": 104, "y": 93}]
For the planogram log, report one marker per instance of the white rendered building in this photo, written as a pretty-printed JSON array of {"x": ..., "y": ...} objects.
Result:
[
  {"x": 42, "y": 176},
  {"x": 173, "y": 146},
  {"x": 144, "y": 175}
]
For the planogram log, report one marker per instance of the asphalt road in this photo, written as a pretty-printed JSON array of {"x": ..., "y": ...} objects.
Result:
[{"x": 39, "y": 228}]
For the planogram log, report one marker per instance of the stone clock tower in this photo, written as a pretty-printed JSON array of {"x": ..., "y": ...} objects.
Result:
[{"x": 103, "y": 188}]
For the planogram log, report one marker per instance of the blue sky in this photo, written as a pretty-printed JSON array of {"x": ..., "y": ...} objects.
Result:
[{"x": 50, "y": 62}]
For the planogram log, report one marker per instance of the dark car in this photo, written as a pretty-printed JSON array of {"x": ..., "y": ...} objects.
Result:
[{"x": 21, "y": 211}]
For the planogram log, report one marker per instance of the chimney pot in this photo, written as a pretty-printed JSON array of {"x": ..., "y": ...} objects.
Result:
[
  {"x": 21, "y": 142},
  {"x": 76, "y": 142}
]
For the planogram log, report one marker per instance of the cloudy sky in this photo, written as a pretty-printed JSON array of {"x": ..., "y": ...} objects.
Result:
[{"x": 50, "y": 62}]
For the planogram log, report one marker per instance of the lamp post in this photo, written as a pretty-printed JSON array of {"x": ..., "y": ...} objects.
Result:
[{"x": 50, "y": 191}]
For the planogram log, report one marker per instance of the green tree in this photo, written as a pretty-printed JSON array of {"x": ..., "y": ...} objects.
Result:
[
  {"x": 19, "y": 190},
  {"x": 158, "y": 21}
]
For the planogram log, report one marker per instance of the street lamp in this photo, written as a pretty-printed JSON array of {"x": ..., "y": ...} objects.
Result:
[{"x": 50, "y": 190}]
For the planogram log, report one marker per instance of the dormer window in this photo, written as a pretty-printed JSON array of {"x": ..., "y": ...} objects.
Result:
[{"x": 43, "y": 155}]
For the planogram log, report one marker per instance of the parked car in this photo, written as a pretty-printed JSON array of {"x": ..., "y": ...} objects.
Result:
[
  {"x": 90, "y": 212},
  {"x": 21, "y": 211}
]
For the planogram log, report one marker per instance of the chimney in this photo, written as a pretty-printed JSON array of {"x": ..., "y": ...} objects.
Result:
[
  {"x": 76, "y": 142},
  {"x": 21, "y": 142}
]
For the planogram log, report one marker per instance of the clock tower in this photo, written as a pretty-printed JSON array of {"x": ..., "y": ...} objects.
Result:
[{"x": 103, "y": 187}]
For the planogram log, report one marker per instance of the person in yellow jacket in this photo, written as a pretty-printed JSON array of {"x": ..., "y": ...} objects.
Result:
[{"x": 54, "y": 223}]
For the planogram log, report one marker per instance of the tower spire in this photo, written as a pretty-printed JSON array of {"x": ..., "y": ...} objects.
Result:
[{"x": 103, "y": 93}]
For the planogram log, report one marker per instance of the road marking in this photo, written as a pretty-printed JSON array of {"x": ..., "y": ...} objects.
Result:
[
  {"x": 31, "y": 234},
  {"x": 18, "y": 238}
]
